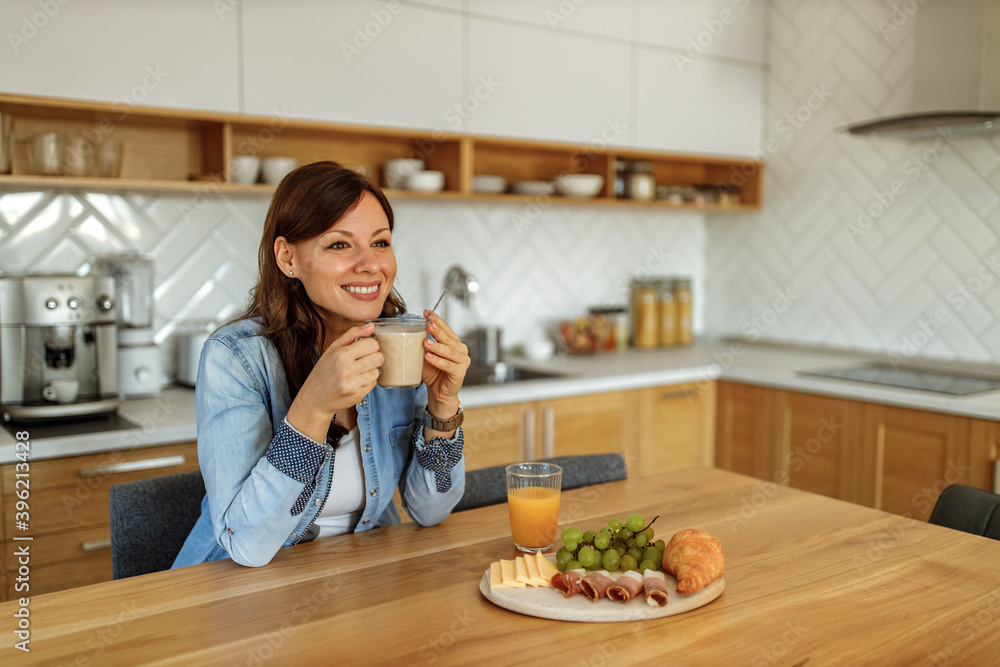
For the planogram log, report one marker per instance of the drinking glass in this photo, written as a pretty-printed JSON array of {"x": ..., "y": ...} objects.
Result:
[{"x": 533, "y": 504}]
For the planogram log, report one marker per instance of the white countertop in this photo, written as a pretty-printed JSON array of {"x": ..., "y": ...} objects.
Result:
[{"x": 170, "y": 417}]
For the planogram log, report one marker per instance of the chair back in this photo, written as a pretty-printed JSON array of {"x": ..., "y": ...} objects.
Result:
[
  {"x": 488, "y": 486},
  {"x": 151, "y": 519},
  {"x": 968, "y": 509}
]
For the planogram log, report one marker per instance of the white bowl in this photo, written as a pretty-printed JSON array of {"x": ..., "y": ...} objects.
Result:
[
  {"x": 579, "y": 185},
  {"x": 276, "y": 168},
  {"x": 397, "y": 171},
  {"x": 425, "y": 181},
  {"x": 532, "y": 188},
  {"x": 488, "y": 185},
  {"x": 538, "y": 350},
  {"x": 244, "y": 168}
]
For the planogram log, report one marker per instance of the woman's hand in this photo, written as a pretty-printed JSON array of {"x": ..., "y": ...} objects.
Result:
[
  {"x": 446, "y": 360},
  {"x": 345, "y": 373}
]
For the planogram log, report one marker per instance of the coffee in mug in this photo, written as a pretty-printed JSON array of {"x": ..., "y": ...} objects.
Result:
[
  {"x": 401, "y": 341},
  {"x": 61, "y": 391}
]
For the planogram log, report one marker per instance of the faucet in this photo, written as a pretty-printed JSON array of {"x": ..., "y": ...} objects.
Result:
[{"x": 461, "y": 284}]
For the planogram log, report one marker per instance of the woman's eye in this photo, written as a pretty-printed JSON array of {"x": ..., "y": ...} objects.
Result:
[
  {"x": 337, "y": 245},
  {"x": 382, "y": 243}
]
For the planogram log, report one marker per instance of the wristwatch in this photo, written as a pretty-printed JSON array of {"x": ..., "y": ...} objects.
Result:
[{"x": 432, "y": 422}]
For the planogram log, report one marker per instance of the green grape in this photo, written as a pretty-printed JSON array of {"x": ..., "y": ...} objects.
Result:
[
  {"x": 661, "y": 545},
  {"x": 587, "y": 556},
  {"x": 572, "y": 535},
  {"x": 641, "y": 539},
  {"x": 625, "y": 533},
  {"x": 635, "y": 553},
  {"x": 569, "y": 545},
  {"x": 596, "y": 566},
  {"x": 589, "y": 536},
  {"x": 648, "y": 565},
  {"x": 635, "y": 522},
  {"x": 649, "y": 533},
  {"x": 605, "y": 530},
  {"x": 630, "y": 543},
  {"x": 628, "y": 563},
  {"x": 602, "y": 541},
  {"x": 621, "y": 549},
  {"x": 563, "y": 557},
  {"x": 653, "y": 554},
  {"x": 573, "y": 565},
  {"x": 611, "y": 560},
  {"x": 615, "y": 524}
]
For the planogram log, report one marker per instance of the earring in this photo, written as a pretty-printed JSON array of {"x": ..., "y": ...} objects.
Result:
[{"x": 289, "y": 273}]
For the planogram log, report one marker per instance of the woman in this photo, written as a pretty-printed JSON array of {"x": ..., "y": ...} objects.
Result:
[{"x": 295, "y": 440}]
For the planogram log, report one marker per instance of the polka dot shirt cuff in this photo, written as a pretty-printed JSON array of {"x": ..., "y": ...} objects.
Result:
[
  {"x": 298, "y": 457},
  {"x": 439, "y": 455}
]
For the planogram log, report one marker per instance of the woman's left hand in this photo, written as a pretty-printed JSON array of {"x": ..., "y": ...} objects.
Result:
[{"x": 446, "y": 360}]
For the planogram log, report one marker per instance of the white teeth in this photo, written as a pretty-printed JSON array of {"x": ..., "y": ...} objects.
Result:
[{"x": 361, "y": 290}]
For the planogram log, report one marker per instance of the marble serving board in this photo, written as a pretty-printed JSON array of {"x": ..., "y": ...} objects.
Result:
[{"x": 550, "y": 603}]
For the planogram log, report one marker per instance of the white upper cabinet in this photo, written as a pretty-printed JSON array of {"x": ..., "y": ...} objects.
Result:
[
  {"x": 727, "y": 28},
  {"x": 180, "y": 54},
  {"x": 537, "y": 83},
  {"x": 708, "y": 106},
  {"x": 374, "y": 63}
]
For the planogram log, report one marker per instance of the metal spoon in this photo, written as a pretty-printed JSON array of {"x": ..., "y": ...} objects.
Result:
[{"x": 439, "y": 301}]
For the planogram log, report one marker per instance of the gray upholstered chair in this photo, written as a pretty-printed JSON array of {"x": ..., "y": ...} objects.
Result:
[
  {"x": 488, "y": 486},
  {"x": 150, "y": 519},
  {"x": 968, "y": 509}
]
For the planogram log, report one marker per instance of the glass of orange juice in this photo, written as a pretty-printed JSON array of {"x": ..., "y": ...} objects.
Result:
[{"x": 533, "y": 504}]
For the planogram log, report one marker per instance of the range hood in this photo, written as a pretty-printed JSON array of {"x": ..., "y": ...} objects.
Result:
[{"x": 956, "y": 81}]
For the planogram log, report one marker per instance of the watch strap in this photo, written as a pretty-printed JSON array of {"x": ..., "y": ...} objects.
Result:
[{"x": 432, "y": 422}]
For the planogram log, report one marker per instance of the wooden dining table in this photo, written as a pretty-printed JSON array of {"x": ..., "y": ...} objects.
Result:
[{"x": 808, "y": 580}]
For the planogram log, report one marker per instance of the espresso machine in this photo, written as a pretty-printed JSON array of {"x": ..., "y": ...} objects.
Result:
[{"x": 58, "y": 347}]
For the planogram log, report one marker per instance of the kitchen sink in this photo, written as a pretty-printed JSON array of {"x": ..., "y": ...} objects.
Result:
[{"x": 504, "y": 374}]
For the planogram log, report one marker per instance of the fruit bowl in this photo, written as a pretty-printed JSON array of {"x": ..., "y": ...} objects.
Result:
[{"x": 586, "y": 335}]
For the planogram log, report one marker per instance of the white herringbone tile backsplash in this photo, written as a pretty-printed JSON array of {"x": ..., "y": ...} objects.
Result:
[
  {"x": 535, "y": 265},
  {"x": 920, "y": 275}
]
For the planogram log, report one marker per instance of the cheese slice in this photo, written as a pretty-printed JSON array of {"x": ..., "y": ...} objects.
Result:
[
  {"x": 534, "y": 578},
  {"x": 521, "y": 571},
  {"x": 496, "y": 576},
  {"x": 507, "y": 569},
  {"x": 546, "y": 568}
]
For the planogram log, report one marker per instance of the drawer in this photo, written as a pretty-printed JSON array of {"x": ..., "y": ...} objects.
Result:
[
  {"x": 105, "y": 468},
  {"x": 60, "y": 561}
]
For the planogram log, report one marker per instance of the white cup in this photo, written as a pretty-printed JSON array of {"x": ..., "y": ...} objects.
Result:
[{"x": 61, "y": 391}]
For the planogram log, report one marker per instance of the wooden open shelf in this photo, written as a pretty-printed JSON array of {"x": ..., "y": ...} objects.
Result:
[{"x": 181, "y": 150}]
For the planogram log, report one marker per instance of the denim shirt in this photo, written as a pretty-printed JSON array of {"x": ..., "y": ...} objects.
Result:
[{"x": 266, "y": 482}]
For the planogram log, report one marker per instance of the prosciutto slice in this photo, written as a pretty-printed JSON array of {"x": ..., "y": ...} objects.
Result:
[
  {"x": 568, "y": 582},
  {"x": 626, "y": 587},
  {"x": 655, "y": 584},
  {"x": 595, "y": 585}
]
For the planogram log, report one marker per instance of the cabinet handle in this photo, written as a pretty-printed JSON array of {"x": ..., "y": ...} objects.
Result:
[
  {"x": 132, "y": 466},
  {"x": 996, "y": 476},
  {"x": 677, "y": 393},
  {"x": 529, "y": 435},
  {"x": 95, "y": 545},
  {"x": 549, "y": 432}
]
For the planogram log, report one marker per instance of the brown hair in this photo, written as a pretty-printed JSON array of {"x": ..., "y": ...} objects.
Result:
[{"x": 306, "y": 203}]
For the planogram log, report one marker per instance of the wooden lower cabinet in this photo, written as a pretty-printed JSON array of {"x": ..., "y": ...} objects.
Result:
[
  {"x": 498, "y": 434},
  {"x": 69, "y": 516},
  {"x": 676, "y": 426},
  {"x": 895, "y": 459}
]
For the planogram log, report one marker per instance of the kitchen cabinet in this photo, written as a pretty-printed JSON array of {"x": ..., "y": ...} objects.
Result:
[
  {"x": 180, "y": 54},
  {"x": 190, "y": 151},
  {"x": 69, "y": 516},
  {"x": 675, "y": 428},
  {"x": 654, "y": 428},
  {"x": 890, "y": 458}
]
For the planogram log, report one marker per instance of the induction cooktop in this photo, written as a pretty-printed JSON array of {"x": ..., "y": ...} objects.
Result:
[{"x": 935, "y": 381}]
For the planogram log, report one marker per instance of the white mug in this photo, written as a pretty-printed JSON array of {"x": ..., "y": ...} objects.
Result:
[{"x": 61, "y": 391}]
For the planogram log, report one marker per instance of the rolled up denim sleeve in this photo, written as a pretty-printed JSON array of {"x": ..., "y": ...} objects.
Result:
[
  {"x": 435, "y": 478},
  {"x": 258, "y": 475}
]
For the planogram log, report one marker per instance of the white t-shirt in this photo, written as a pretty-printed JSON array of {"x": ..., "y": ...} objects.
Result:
[{"x": 346, "y": 501}]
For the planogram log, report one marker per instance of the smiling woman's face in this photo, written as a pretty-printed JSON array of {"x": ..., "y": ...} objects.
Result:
[{"x": 348, "y": 270}]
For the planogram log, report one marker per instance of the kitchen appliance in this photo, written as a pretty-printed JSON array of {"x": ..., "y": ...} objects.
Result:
[
  {"x": 484, "y": 345},
  {"x": 53, "y": 328},
  {"x": 139, "y": 366},
  {"x": 955, "y": 68},
  {"x": 188, "y": 355},
  {"x": 937, "y": 381}
]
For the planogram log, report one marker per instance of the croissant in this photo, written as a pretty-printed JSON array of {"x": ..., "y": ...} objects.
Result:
[{"x": 695, "y": 558}]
